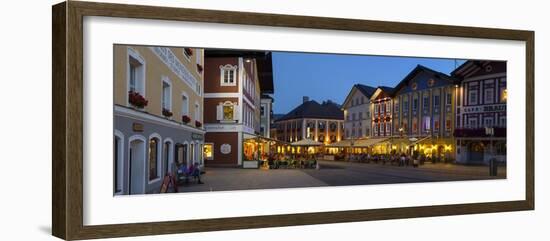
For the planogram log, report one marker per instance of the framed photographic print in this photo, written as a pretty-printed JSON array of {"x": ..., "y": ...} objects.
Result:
[{"x": 170, "y": 120}]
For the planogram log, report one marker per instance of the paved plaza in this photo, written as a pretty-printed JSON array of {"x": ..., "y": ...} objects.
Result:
[{"x": 334, "y": 174}]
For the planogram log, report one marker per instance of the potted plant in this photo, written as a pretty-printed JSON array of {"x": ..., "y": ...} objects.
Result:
[
  {"x": 198, "y": 124},
  {"x": 188, "y": 51},
  {"x": 166, "y": 112},
  {"x": 137, "y": 100},
  {"x": 199, "y": 68},
  {"x": 185, "y": 119}
]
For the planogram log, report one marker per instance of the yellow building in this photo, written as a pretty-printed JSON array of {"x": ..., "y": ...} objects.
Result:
[{"x": 158, "y": 114}]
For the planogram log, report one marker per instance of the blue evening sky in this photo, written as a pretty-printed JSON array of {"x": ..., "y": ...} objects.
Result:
[{"x": 331, "y": 76}]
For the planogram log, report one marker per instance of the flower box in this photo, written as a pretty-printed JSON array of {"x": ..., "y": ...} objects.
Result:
[
  {"x": 198, "y": 124},
  {"x": 185, "y": 119},
  {"x": 137, "y": 100},
  {"x": 199, "y": 68},
  {"x": 188, "y": 51},
  {"x": 166, "y": 112}
]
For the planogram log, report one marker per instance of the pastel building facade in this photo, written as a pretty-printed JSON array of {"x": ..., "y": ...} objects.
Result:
[
  {"x": 357, "y": 112},
  {"x": 481, "y": 112},
  {"x": 424, "y": 109},
  {"x": 158, "y": 114}
]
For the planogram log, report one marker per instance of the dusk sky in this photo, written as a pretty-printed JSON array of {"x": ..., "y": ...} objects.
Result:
[{"x": 331, "y": 76}]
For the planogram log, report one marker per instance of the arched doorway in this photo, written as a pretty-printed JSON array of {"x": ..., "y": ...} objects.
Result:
[
  {"x": 476, "y": 152},
  {"x": 136, "y": 166}
]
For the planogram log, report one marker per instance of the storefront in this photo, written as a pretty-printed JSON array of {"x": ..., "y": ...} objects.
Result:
[{"x": 259, "y": 149}]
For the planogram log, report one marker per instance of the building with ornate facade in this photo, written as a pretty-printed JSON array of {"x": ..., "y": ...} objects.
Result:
[
  {"x": 158, "y": 114},
  {"x": 322, "y": 122},
  {"x": 481, "y": 112},
  {"x": 234, "y": 83}
]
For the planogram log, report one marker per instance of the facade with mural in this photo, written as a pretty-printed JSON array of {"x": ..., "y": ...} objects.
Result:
[{"x": 158, "y": 107}]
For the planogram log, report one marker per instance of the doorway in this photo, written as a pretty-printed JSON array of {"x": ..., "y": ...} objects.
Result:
[{"x": 137, "y": 167}]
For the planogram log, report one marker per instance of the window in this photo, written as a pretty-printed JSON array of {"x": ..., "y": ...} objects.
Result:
[
  {"x": 208, "y": 151},
  {"x": 198, "y": 116},
  {"x": 166, "y": 94},
  {"x": 425, "y": 103},
  {"x": 436, "y": 102},
  {"x": 228, "y": 75},
  {"x": 381, "y": 126},
  {"x": 405, "y": 106},
  {"x": 426, "y": 123},
  {"x": 415, "y": 104},
  {"x": 118, "y": 162},
  {"x": 166, "y": 157},
  {"x": 228, "y": 111},
  {"x": 388, "y": 128},
  {"x": 353, "y": 118},
  {"x": 388, "y": 107},
  {"x": 360, "y": 115},
  {"x": 396, "y": 106},
  {"x": 376, "y": 109},
  {"x": 472, "y": 122},
  {"x": 502, "y": 121},
  {"x": 488, "y": 122},
  {"x": 472, "y": 97},
  {"x": 503, "y": 95},
  {"x": 362, "y": 100},
  {"x": 448, "y": 98},
  {"x": 153, "y": 158},
  {"x": 262, "y": 110},
  {"x": 448, "y": 124},
  {"x": 489, "y": 95},
  {"x": 136, "y": 72},
  {"x": 184, "y": 105},
  {"x": 436, "y": 124},
  {"x": 192, "y": 152}
]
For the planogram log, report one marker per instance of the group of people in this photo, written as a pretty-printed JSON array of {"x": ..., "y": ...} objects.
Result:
[
  {"x": 394, "y": 158},
  {"x": 193, "y": 171}
]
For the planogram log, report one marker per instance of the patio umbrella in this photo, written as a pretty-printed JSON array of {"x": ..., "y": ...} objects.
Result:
[{"x": 306, "y": 142}]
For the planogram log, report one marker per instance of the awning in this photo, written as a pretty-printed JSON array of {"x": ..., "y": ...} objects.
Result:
[
  {"x": 342, "y": 143},
  {"x": 306, "y": 142},
  {"x": 369, "y": 142},
  {"x": 417, "y": 141}
]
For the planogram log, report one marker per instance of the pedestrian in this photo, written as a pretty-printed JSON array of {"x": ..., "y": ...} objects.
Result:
[{"x": 195, "y": 172}]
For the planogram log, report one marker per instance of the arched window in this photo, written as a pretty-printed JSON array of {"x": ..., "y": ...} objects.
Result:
[{"x": 154, "y": 158}]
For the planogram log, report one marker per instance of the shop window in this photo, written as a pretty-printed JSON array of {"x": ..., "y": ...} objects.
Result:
[
  {"x": 208, "y": 151},
  {"x": 153, "y": 158}
]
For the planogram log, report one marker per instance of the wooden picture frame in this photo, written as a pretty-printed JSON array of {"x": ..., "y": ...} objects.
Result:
[{"x": 67, "y": 152}]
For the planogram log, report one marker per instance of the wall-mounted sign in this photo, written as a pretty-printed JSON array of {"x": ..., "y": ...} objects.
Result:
[
  {"x": 485, "y": 109},
  {"x": 225, "y": 148},
  {"x": 196, "y": 136},
  {"x": 137, "y": 127}
]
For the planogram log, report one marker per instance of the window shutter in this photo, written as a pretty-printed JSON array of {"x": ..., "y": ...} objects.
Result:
[
  {"x": 219, "y": 112},
  {"x": 236, "y": 112}
]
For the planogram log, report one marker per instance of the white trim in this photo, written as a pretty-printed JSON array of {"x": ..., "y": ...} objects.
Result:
[
  {"x": 198, "y": 112},
  {"x": 131, "y": 52},
  {"x": 144, "y": 155},
  {"x": 187, "y": 57},
  {"x": 159, "y": 157},
  {"x": 222, "y": 95},
  {"x": 120, "y": 173},
  {"x": 228, "y": 67},
  {"x": 240, "y": 84},
  {"x": 143, "y": 116}
]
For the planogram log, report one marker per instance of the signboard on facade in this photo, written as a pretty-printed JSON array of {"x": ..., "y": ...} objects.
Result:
[
  {"x": 225, "y": 148},
  {"x": 485, "y": 108},
  {"x": 137, "y": 127},
  {"x": 196, "y": 136}
]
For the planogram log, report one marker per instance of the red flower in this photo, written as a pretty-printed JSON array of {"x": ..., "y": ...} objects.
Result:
[
  {"x": 188, "y": 51},
  {"x": 137, "y": 100},
  {"x": 166, "y": 112},
  {"x": 198, "y": 124},
  {"x": 185, "y": 119},
  {"x": 199, "y": 67}
]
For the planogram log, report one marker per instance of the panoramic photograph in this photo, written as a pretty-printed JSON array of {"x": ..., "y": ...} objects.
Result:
[{"x": 190, "y": 119}]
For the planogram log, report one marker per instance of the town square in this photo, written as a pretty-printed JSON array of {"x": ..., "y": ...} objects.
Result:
[{"x": 192, "y": 119}]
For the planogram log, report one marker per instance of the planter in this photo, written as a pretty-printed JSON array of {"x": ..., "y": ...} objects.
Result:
[
  {"x": 199, "y": 68},
  {"x": 198, "y": 124},
  {"x": 167, "y": 113},
  {"x": 137, "y": 100},
  {"x": 185, "y": 119},
  {"x": 188, "y": 51}
]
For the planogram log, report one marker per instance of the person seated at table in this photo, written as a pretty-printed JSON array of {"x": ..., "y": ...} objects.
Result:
[{"x": 195, "y": 172}]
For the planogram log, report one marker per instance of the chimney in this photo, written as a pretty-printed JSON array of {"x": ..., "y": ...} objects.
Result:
[{"x": 305, "y": 99}]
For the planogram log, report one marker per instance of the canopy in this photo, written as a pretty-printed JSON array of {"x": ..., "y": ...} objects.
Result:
[
  {"x": 342, "y": 143},
  {"x": 306, "y": 142},
  {"x": 369, "y": 142}
]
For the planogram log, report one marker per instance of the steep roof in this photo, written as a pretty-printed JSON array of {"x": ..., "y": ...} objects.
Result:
[
  {"x": 366, "y": 90},
  {"x": 418, "y": 69},
  {"x": 312, "y": 109}
]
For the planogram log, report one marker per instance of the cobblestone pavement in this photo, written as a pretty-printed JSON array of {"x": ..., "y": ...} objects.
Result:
[{"x": 335, "y": 174}]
